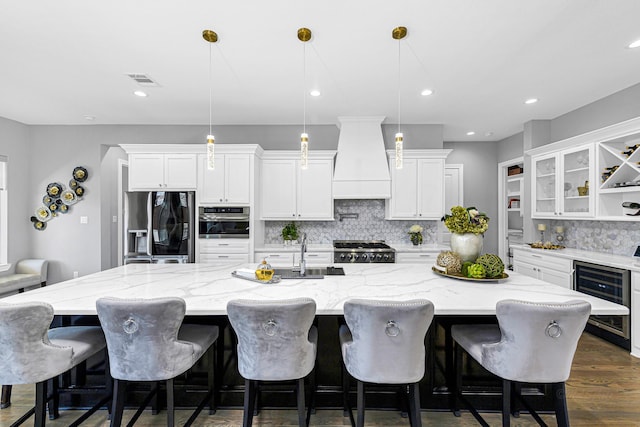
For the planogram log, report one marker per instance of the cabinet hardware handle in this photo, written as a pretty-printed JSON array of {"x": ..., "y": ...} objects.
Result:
[
  {"x": 223, "y": 244},
  {"x": 223, "y": 256},
  {"x": 536, "y": 256}
]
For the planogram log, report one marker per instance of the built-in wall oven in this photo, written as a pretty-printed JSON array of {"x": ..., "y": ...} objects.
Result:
[
  {"x": 611, "y": 284},
  {"x": 223, "y": 222}
]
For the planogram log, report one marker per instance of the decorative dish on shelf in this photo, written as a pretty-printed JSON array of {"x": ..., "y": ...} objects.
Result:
[
  {"x": 545, "y": 245},
  {"x": 472, "y": 279}
]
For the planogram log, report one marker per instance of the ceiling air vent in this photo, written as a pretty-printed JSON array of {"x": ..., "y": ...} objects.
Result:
[{"x": 143, "y": 79}]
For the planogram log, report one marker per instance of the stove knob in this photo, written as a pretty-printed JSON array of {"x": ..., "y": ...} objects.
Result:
[
  {"x": 364, "y": 257},
  {"x": 379, "y": 257},
  {"x": 386, "y": 257},
  {"x": 351, "y": 257},
  {"x": 356, "y": 256}
]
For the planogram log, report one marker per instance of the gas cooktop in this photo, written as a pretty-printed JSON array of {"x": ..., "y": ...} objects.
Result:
[{"x": 375, "y": 251}]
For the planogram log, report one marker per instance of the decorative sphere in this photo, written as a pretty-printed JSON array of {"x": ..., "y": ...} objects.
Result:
[
  {"x": 450, "y": 260},
  {"x": 493, "y": 265}
]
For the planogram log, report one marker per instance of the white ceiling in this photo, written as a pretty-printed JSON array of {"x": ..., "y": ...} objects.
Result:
[{"x": 63, "y": 60}]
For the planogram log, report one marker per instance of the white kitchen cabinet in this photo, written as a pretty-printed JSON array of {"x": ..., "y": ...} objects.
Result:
[
  {"x": 413, "y": 257},
  {"x": 559, "y": 180},
  {"x": 417, "y": 190},
  {"x": 291, "y": 193},
  {"x": 635, "y": 313},
  {"x": 162, "y": 166},
  {"x": 511, "y": 195},
  {"x": 223, "y": 251},
  {"x": 289, "y": 259},
  {"x": 229, "y": 183},
  {"x": 543, "y": 266},
  {"x": 619, "y": 177}
]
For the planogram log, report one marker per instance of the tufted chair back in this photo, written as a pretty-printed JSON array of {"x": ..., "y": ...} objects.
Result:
[
  {"x": 26, "y": 354},
  {"x": 276, "y": 340},
  {"x": 538, "y": 340},
  {"x": 384, "y": 341},
  {"x": 142, "y": 338}
]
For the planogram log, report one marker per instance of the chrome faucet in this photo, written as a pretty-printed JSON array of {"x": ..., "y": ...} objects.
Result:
[{"x": 303, "y": 249}]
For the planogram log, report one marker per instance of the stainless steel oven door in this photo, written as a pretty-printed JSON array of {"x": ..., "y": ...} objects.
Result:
[
  {"x": 223, "y": 222},
  {"x": 214, "y": 229}
]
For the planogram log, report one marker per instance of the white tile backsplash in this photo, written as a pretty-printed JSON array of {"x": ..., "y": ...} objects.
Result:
[
  {"x": 369, "y": 225},
  {"x": 613, "y": 237}
]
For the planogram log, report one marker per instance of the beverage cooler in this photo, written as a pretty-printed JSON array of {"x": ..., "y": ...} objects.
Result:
[{"x": 159, "y": 227}]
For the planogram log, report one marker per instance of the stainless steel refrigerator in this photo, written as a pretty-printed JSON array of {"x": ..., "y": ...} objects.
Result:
[{"x": 159, "y": 227}]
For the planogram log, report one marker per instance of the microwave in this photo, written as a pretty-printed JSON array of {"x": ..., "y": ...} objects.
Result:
[{"x": 223, "y": 222}]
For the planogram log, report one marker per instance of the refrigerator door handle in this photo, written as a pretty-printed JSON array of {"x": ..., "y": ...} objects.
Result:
[{"x": 150, "y": 238}]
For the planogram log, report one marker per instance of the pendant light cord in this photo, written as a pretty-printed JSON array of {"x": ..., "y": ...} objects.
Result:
[
  {"x": 399, "y": 85},
  {"x": 210, "y": 84},
  {"x": 304, "y": 87}
]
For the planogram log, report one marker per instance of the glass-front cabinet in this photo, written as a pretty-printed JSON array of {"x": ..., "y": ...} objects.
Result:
[{"x": 560, "y": 187}]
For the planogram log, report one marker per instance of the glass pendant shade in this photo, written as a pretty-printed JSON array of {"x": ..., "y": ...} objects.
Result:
[
  {"x": 211, "y": 159},
  {"x": 304, "y": 151},
  {"x": 399, "y": 150}
]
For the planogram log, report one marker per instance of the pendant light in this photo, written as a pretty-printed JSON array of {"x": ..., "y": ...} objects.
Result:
[
  {"x": 304, "y": 35},
  {"x": 399, "y": 33},
  {"x": 211, "y": 37}
]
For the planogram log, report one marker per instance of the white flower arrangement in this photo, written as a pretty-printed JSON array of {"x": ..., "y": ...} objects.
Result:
[{"x": 415, "y": 229}]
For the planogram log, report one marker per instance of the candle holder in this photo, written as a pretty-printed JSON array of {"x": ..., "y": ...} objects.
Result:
[
  {"x": 542, "y": 236},
  {"x": 559, "y": 232}
]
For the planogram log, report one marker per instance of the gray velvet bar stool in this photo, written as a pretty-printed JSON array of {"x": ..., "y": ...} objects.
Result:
[
  {"x": 383, "y": 343},
  {"x": 33, "y": 353},
  {"x": 532, "y": 343},
  {"x": 276, "y": 342},
  {"x": 147, "y": 341}
]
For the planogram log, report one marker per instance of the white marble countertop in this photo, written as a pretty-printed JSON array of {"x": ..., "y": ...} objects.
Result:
[
  {"x": 207, "y": 289},
  {"x": 619, "y": 261}
]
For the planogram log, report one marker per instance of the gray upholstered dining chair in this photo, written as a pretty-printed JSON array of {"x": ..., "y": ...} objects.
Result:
[
  {"x": 33, "y": 353},
  {"x": 534, "y": 342},
  {"x": 383, "y": 343},
  {"x": 148, "y": 341},
  {"x": 276, "y": 342}
]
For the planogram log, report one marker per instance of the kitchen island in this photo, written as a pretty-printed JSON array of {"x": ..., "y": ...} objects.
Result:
[{"x": 207, "y": 289}]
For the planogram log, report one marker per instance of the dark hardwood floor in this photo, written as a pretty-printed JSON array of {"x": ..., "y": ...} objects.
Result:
[{"x": 604, "y": 390}]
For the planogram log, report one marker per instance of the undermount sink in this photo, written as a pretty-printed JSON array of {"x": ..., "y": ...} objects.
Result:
[{"x": 310, "y": 273}]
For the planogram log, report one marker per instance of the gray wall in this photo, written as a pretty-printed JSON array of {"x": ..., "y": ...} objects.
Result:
[
  {"x": 511, "y": 147},
  {"x": 615, "y": 108},
  {"x": 480, "y": 178},
  {"x": 14, "y": 144}
]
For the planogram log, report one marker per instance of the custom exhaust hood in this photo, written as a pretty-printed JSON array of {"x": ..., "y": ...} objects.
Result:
[{"x": 361, "y": 169}]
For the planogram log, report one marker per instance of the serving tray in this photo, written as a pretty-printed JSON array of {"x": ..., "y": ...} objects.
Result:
[
  {"x": 552, "y": 247},
  {"x": 274, "y": 279},
  {"x": 472, "y": 279}
]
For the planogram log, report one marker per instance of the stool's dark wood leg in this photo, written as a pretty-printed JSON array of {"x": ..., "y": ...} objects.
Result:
[
  {"x": 5, "y": 401},
  {"x": 360, "y": 420},
  {"x": 560, "y": 401},
  {"x": 41, "y": 404},
  {"x": 506, "y": 403}
]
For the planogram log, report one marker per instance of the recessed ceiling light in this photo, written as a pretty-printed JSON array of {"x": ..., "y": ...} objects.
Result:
[
  {"x": 90, "y": 118},
  {"x": 314, "y": 92},
  {"x": 488, "y": 134},
  {"x": 426, "y": 92},
  {"x": 634, "y": 44},
  {"x": 470, "y": 133},
  {"x": 531, "y": 101},
  {"x": 140, "y": 93}
]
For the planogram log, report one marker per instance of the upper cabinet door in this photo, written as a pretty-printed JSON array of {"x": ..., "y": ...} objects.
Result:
[
  {"x": 180, "y": 171},
  {"x": 404, "y": 190},
  {"x": 237, "y": 179},
  {"x": 577, "y": 199},
  {"x": 146, "y": 171},
  {"x": 278, "y": 184},
  {"x": 315, "y": 193},
  {"x": 545, "y": 186},
  {"x": 211, "y": 181},
  {"x": 430, "y": 187}
]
